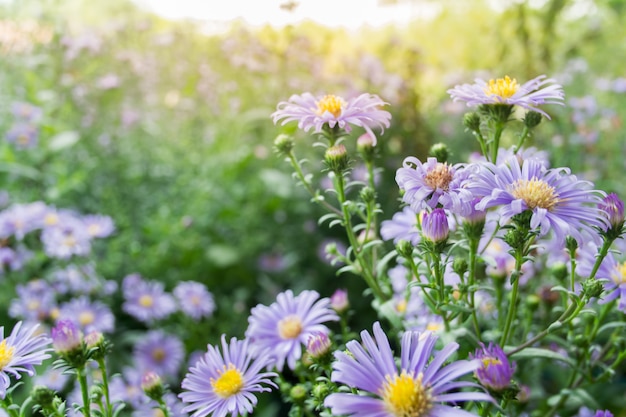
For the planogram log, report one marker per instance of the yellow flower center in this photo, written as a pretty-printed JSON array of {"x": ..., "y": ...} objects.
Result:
[
  {"x": 502, "y": 87},
  {"x": 439, "y": 177},
  {"x": 158, "y": 355},
  {"x": 290, "y": 327},
  {"x": 433, "y": 326},
  {"x": 401, "y": 306},
  {"x": 6, "y": 354},
  {"x": 93, "y": 229},
  {"x": 228, "y": 383},
  {"x": 86, "y": 317},
  {"x": 405, "y": 396},
  {"x": 51, "y": 219},
  {"x": 146, "y": 300},
  {"x": 620, "y": 277},
  {"x": 70, "y": 241},
  {"x": 487, "y": 362},
  {"x": 535, "y": 193},
  {"x": 332, "y": 104}
]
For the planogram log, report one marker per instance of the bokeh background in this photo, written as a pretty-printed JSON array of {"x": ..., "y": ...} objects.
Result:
[{"x": 164, "y": 125}]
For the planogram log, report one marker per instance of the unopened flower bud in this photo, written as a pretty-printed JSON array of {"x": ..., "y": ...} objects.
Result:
[
  {"x": 365, "y": 145},
  {"x": 283, "y": 144},
  {"x": 152, "y": 385},
  {"x": 440, "y": 151},
  {"x": 404, "y": 248},
  {"x": 43, "y": 396},
  {"x": 339, "y": 300},
  {"x": 367, "y": 194},
  {"x": 472, "y": 121},
  {"x": 435, "y": 226},
  {"x": 613, "y": 208},
  {"x": 459, "y": 266},
  {"x": 298, "y": 393},
  {"x": 532, "y": 119},
  {"x": 336, "y": 158},
  {"x": 66, "y": 337},
  {"x": 318, "y": 345},
  {"x": 592, "y": 288}
]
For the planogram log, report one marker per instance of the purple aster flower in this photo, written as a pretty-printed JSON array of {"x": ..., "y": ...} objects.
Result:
[
  {"x": 603, "y": 413},
  {"x": 435, "y": 226},
  {"x": 67, "y": 238},
  {"x": 35, "y": 301},
  {"x": 225, "y": 382},
  {"x": 20, "y": 352},
  {"x": 98, "y": 225},
  {"x": 53, "y": 378},
  {"x": 613, "y": 208},
  {"x": 23, "y": 135},
  {"x": 402, "y": 226},
  {"x": 194, "y": 299},
  {"x": 20, "y": 219},
  {"x": 280, "y": 330},
  {"x": 88, "y": 315},
  {"x": 427, "y": 185},
  {"x": 159, "y": 352},
  {"x": 66, "y": 337},
  {"x": 507, "y": 91},
  {"x": 26, "y": 111},
  {"x": 315, "y": 112},
  {"x": 81, "y": 279},
  {"x": 418, "y": 387},
  {"x": 558, "y": 200},
  {"x": 495, "y": 372},
  {"x": 127, "y": 387},
  {"x": 146, "y": 300}
]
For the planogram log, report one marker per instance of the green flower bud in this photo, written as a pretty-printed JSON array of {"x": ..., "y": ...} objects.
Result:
[
  {"x": 559, "y": 271},
  {"x": 43, "y": 396},
  {"x": 592, "y": 288},
  {"x": 365, "y": 147},
  {"x": 472, "y": 121},
  {"x": 404, "y": 249},
  {"x": 459, "y": 266},
  {"x": 532, "y": 119},
  {"x": 336, "y": 158},
  {"x": 283, "y": 144},
  {"x": 368, "y": 195},
  {"x": 440, "y": 151},
  {"x": 298, "y": 393}
]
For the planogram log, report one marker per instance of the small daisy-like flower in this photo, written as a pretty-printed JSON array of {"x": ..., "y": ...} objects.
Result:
[
  {"x": 559, "y": 202},
  {"x": 146, "y": 300},
  {"x": 194, "y": 299},
  {"x": 507, "y": 91},
  {"x": 88, "y": 315},
  {"x": 315, "y": 112},
  {"x": 225, "y": 382},
  {"x": 159, "y": 352},
  {"x": 98, "y": 225},
  {"x": 20, "y": 352},
  {"x": 402, "y": 226},
  {"x": 23, "y": 135},
  {"x": 495, "y": 372},
  {"x": 433, "y": 183},
  {"x": 280, "y": 330},
  {"x": 67, "y": 238},
  {"x": 418, "y": 387}
]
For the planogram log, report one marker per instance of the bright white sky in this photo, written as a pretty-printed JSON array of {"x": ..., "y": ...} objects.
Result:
[{"x": 335, "y": 13}]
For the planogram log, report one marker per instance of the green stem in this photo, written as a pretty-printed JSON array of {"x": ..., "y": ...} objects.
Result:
[
  {"x": 604, "y": 250},
  {"x": 163, "y": 407},
  {"x": 522, "y": 138},
  {"x": 296, "y": 166},
  {"x": 82, "y": 379},
  {"x": 513, "y": 306},
  {"x": 7, "y": 402},
  {"x": 495, "y": 144},
  {"x": 473, "y": 250},
  {"x": 436, "y": 265},
  {"x": 105, "y": 385}
]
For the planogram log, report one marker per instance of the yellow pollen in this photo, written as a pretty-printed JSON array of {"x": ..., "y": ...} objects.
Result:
[
  {"x": 535, "y": 193},
  {"x": 51, "y": 219},
  {"x": 228, "y": 383},
  {"x": 401, "y": 306},
  {"x": 620, "y": 277},
  {"x": 487, "y": 362},
  {"x": 502, "y": 87},
  {"x": 433, "y": 326},
  {"x": 6, "y": 354},
  {"x": 290, "y": 327},
  {"x": 146, "y": 300},
  {"x": 158, "y": 355},
  {"x": 33, "y": 305},
  {"x": 405, "y": 396},
  {"x": 439, "y": 177},
  {"x": 332, "y": 104},
  {"x": 86, "y": 317},
  {"x": 70, "y": 241}
]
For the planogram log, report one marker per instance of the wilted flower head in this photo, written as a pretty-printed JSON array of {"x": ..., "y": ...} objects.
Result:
[
  {"x": 280, "y": 330},
  {"x": 417, "y": 387},
  {"x": 20, "y": 352},
  {"x": 222, "y": 383},
  {"x": 495, "y": 372},
  {"x": 507, "y": 91},
  {"x": 316, "y": 112}
]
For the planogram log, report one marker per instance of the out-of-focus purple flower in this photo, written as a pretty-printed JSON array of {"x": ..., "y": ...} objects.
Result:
[
  {"x": 495, "y": 372},
  {"x": 81, "y": 280},
  {"x": 88, "y": 315},
  {"x": 66, "y": 337},
  {"x": 402, "y": 226},
  {"x": 278, "y": 331},
  {"x": 559, "y": 202},
  {"x": 613, "y": 208},
  {"x": 315, "y": 112},
  {"x": 587, "y": 412},
  {"x": 98, "y": 225},
  {"x": 272, "y": 262},
  {"x": 147, "y": 301},
  {"x": 435, "y": 226},
  {"x": 194, "y": 299},
  {"x": 151, "y": 408},
  {"x": 53, "y": 378},
  {"x": 339, "y": 300},
  {"x": 507, "y": 91},
  {"x": 611, "y": 272},
  {"x": 329, "y": 249},
  {"x": 20, "y": 219},
  {"x": 23, "y": 135},
  {"x": 68, "y": 238},
  {"x": 159, "y": 352},
  {"x": 20, "y": 352},
  {"x": 108, "y": 82},
  {"x": 224, "y": 382},
  {"x": 127, "y": 387},
  {"x": 26, "y": 112},
  {"x": 427, "y": 185},
  {"x": 419, "y": 386},
  {"x": 34, "y": 302}
]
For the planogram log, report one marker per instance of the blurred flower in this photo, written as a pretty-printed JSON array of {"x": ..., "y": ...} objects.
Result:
[
  {"x": 507, "y": 91},
  {"x": 315, "y": 112},
  {"x": 426, "y": 185},
  {"x": 146, "y": 301},
  {"x": 558, "y": 201},
  {"x": 225, "y": 382},
  {"x": 66, "y": 239},
  {"x": 66, "y": 337},
  {"x": 88, "y": 315},
  {"x": 23, "y": 135},
  {"x": 194, "y": 299},
  {"x": 339, "y": 300},
  {"x": 20, "y": 352},
  {"x": 34, "y": 301},
  {"x": 495, "y": 372},
  {"x": 98, "y": 225},
  {"x": 108, "y": 81},
  {"x": 611, "y": 272},
  {"x": 53, "y": 378},
  {"x": 150, "y": 409},
  {"x": 127, "y": 387},
  {"x": 26, "y": 112},
  {"x": 402, "y": 226},
  {"x": 416, "y": 388},
  {"x": 280, "y": 330},
  {"x": 159, "y": 352},
  {"x": 20, "y": 219}
]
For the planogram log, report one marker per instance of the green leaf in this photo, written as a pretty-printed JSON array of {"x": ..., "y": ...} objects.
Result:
[
  {"x": 63, "y": 140},
  {"x": 20, "y": 170},
  {"x": 533, "y": 353}
]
